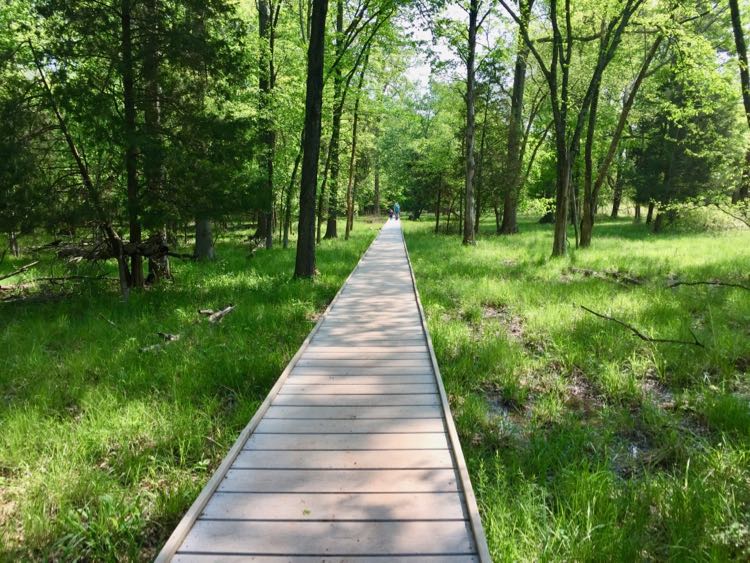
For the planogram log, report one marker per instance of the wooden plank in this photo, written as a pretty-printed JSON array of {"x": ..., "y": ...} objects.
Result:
[
  {"x": 326, "y": 389},
  {"x": 356, "y": 400},
  {"x": 329, "y": 539},
  {"x": 393, "y": 361},
  {"x": 226, "y": 558},
  {"x": 349, "y": 413},
  {"x": 335, "y": 506},
  {"x": 381, "y": 459},
  {"x": 321, "y": 349},
  {"x": 323, "y": 426},
  {"x": 339, "y": 481},
  {"x": 354, "y": 370},
  {"x": 386, "y": 379},
  {"x": 392, "y": 354},
  {"x": 352, "y": 442}
]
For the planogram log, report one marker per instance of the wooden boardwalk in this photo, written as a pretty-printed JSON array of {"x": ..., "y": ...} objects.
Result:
[{"x": 353, "y": 457}]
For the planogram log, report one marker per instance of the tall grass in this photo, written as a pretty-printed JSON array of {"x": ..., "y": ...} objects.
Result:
[
  {"x": 583, "y": 441},
  {"x": 102, "y": 446}
]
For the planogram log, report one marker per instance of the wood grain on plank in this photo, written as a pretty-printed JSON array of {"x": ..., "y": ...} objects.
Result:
[
  {"x": 350, "y": 413},
  {"x": 344, "y": 459},
  {"x": 322, "y": 426},
  {"x": 353, "y": 442}
]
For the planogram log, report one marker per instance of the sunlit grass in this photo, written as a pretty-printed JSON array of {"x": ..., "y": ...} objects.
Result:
[
  {"x": 584, "y": 442},
  {"x": 103, "y": 447}
]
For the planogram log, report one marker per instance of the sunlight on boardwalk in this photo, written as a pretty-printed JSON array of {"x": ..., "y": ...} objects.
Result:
[{"x": 351, "y": 458}]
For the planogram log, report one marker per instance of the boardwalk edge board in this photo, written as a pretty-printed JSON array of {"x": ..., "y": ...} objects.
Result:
[
  {"x": 191, "y": 516},
  {"x": 475, "y": 521}
]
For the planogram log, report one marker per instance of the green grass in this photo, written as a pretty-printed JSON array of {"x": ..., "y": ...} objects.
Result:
[
  {"x": 103, "y": 447},
  {"x": 584, "y": 442}
]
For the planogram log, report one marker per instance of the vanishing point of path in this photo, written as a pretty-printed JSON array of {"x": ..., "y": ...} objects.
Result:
[{"x": 353, "y": 457}]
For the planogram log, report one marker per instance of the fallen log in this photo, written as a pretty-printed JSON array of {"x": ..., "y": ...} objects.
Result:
[
  {"x": 167, "y": 337},
  {"x": 709, "y": 282},
  {"x": 218, "y": 315},
  {"x": 20, "y": 270},
  {"x": 618, "y": 276}
]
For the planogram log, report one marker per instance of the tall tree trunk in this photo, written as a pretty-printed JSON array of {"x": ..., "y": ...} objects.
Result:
[
  {"x": 650, "y": 214},
  {"x": 515, "y": 131},
  {"x": 305, "y": 260},
  {"x": 637, "y": 217},
  {"x": 338, "y": 109},
  {"x": 153, "y": 158},
  {"x": 288, "y": 207},
  {"x": 617, "y": 194},
  {"x": 265, "y": 120},
  {"x": 204, "y": 240},
  {"x": 437, "y": 207},
  {"x": 469, "y": 209},
  {"x": 480, "y": 167},
  {"x": 376, "y": 164},
  {"x": 353, "y": 157},
  {"x": 13, "y": 244},
  {"x": 130, "y": 138},
  {"x": 589, "y": 203},
  {"x": 739, "y": 42}
]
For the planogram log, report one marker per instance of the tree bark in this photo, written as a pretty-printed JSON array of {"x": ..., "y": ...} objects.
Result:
[
  {"x": 377, "y": 182},
  {"x": 153, "y": 158},
  {"x": 305, "y": 260},
  {"x": 13, "y": 244},
  {"x": 637, "y": 217},
  {"x": 266, "y": 127},
  {"x": 204, "y": 241},
  {"x": 353, "y": 157},
  {"x": 288, "y": 206},
  {"x": 739, "y": 42},
  {"x": 513, "y": 159},
  {"x": 130, "y": 138},
  {"x": 338, "y": 110},
  {"x": 617, "y": 194},
  {"x": 469, "y": 207},
  {"x": 480, "y": 167},
  {"x": 589, "y": 203},
  {"x": 650, "y": 214},
  {"x": 437, "y": 207}
]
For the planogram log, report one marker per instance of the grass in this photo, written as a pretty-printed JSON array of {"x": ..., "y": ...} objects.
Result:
[
  {"x": 103, "y": 447},
  {"x": 584, "y": 442}
]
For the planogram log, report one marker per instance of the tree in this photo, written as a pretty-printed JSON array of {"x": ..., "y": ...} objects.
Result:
[
  {"x": 739, "y": 41},
  {"x": 305, "y": 262}
]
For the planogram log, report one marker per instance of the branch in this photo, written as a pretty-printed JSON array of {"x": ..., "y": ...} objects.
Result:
[
  {"x": 718, "y": 283},
  {"x": 642, "y": 336},
  {"x": 19, "y": 270}
]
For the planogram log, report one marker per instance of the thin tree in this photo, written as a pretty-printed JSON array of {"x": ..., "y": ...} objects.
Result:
[
  {"x": 469, "y": 207},
  {"x": 305, "y": 261},
  {"x": 739, "y": 42}
]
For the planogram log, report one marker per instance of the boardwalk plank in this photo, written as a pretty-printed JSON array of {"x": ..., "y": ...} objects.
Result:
[
  {"x": 387, "y": 379},
  {"x": 395, "y": 425},
  {"x": 342, "y": 400},
  {"x": 329, "y": 538},
  {"x": 339, "y": 481},
  {"x": 351, "y": 442},
  {"x": 427, "y": 411},
  {"x": 335, "y": 506},
  {"x": 343, "y": 459}
]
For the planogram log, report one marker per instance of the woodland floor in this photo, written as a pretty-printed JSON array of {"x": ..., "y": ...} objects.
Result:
[
  {"x": 583, "y": 441},
  {"x": 103, "y": 447}
]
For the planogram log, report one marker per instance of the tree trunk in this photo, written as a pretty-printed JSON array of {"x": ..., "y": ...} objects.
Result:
[
  {"x": 437, "y": 207},
  {"x": 265, "y": 120},
  {"x": 637, "y": 216},
  {"x": 288, "y": 206},
  {"x": 13, "y": 244},
  {"x": 204, "y": 241},
  {"x": 153, "y": 158},
  {"x": 480, "y": 167},
  {"x": 353, "y": 157},
  {"x": 377, "y": 182},
  {"x": 617, "y": 195},
  {"x": 338, "y": 109},
  {"x": 589, "y": 197},
  {"x": 130, "y": 138},
  {"x": 650, "y": 214},
  {"x": 305, "y": 260},
  {"x": 513, "y": 160},
  {"x": 469, "y": 208}
]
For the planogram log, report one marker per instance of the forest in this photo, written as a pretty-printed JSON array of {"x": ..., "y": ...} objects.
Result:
[{"x": 185, "y": 185}]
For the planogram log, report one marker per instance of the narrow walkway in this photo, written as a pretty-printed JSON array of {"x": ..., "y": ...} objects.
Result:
[{"x": 353, "y": 456}]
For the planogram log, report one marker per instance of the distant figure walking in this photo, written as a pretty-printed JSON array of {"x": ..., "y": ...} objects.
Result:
[
  {"x": 397, "y": 210},
  {"x": 390, "y": 213}
]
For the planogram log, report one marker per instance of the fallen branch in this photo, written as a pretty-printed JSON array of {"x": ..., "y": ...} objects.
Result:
[
  {"x": 718, "y": 283},
  {"x": 218, "y": 315},
  {"x": 642, "y": 336},
  {"x": 606, "y": 274},
  {"x": 205, "y": 312},
  {"x": 167, "y": 339},
  {"x": 109, "y": 321},
  {"x": 19, "y": 270}
]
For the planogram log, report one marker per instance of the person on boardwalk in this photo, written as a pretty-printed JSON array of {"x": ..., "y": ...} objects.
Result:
[
  {"x": 397, "y": 210},
  {"x": 390, "y": 213}
]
